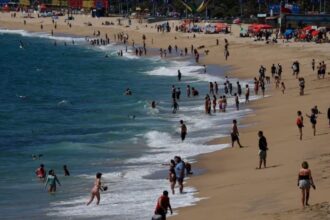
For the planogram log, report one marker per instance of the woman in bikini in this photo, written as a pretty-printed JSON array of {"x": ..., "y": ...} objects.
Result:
[
  {"x": 300, "y": 123},
  {"x": 305, "y": 181},
  {"x": 96, "y": 189},
  {"x": 172, "y": 176}
]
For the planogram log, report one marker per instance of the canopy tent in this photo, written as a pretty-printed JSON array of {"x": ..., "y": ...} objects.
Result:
[
  {"x": 216, "y": 28},
  {"x": 259, "y": 27}
]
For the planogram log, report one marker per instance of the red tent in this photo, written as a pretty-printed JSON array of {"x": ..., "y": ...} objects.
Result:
[
  {"x": 259, "y": 27},
  {"x": 219, "y": 27}
]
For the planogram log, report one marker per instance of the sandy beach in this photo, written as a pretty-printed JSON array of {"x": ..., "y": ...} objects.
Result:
[{"x": 231, "y": 185}]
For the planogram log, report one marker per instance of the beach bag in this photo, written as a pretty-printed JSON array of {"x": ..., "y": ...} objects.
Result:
[{"x": 156, "y": 217}]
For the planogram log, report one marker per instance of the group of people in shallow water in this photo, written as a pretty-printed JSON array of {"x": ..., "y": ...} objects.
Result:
[{"x": 51, "y": 179}]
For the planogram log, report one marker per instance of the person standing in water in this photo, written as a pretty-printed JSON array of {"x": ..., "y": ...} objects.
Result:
[
  {"x": 51, "y": 181},
  {"x": 183, "y": 130},
  {"x": 172, "y": 176},
  {"x": 96, "y": 190},
  {"x": 235, "y": 134},
  {"x": 236, "y": 101},
  {"x": 179, "y": 75},
  {"x": 247, "y": 93},
  {"x": 163, "y": 204},
  {"x": 179, "y": 171},
  {"x": 41, "y": 172},
  {"x": 305, "y": 181},
  {"x": 66, "y": 171},
  {"x": 300, "y": 123}
]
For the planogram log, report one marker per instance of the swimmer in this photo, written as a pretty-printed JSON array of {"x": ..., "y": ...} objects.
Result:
[
  {"x": 128, "y": 92},
  {"x": 66, "y": 171},
  {"x": 51, "y": 181},
  {"x": 132, "y": 116},
  {"x": 41, "y": 172},
  {"x": 36, "y": 157},
  {"x": 21, "y": 45},
  {"x": 153, "y": 104}
]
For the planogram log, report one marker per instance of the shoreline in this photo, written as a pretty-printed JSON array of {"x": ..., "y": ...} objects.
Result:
[{"x": 262, "y": 108}]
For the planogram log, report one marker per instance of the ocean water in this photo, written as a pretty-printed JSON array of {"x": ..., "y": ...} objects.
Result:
[{"x": 67, "y": 103}]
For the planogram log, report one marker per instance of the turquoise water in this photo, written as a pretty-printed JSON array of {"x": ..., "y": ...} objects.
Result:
[{"x": 67, "y": 103}]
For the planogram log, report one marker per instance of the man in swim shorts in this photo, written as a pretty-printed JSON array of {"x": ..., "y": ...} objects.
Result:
[
  {"x": 179, "y": 171},
  {"x": 163, "y": 204},
  {"x": 183, "y": 130}
]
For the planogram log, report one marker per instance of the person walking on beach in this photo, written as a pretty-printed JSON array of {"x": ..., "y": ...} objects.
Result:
[
  {"x": 300, "y": 123},
  {"x": 313, "y": 65},
  {"x": 305, "y": 181},
  {"x": 226, "y": 51},
  {"x": 172, "y": 176},
  {"x": 282, "y": 87},
  {"x": 51, "y": 181},
  {"x": 262, "y": 149},
  {"x": 163, "y": 204},
  {"x": 235, "y": 135},
  {"x": 313, "y": 121},
  {"x": 329, "y": 115},
  {"x": 96, "y": 190},
  {"x": 301, "y": 85},
  {"x": 183, "y": 130},
  {"x": 179, "y": 171}
]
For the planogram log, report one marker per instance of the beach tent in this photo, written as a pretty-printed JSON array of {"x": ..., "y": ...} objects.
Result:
[
  {"x": 258, "y": 27},
  {"x": 221, "y": 27}
]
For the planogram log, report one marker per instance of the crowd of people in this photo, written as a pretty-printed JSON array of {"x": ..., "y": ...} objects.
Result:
[{"x": 214, "y": 101}]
